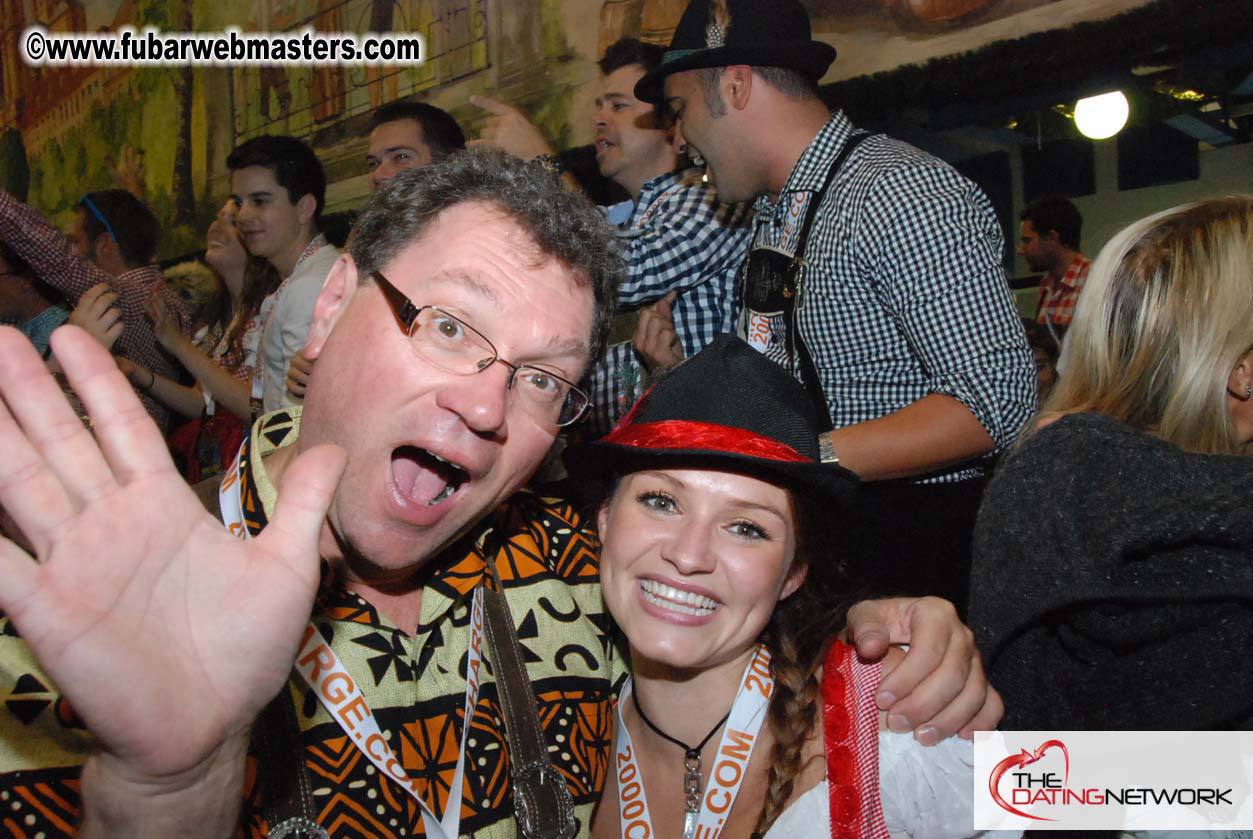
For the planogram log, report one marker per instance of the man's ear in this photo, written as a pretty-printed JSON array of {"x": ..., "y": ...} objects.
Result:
[
  {"x": 337, "y": 293},
  {"x": 104, "y": 248},
  {"x": 737, "y": 84},
  {"x": 306, "y": 207}
]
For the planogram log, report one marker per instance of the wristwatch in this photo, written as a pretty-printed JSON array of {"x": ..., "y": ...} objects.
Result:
[{"x": 826, "y": 450}]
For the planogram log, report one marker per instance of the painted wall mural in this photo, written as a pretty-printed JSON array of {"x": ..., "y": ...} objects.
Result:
[
  {"x": 297, "y": 100},
  {"x": 164, "y": 132},
  {"x": 874, "y": 36}
]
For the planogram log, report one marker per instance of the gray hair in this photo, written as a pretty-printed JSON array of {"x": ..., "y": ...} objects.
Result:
[{"x": 564, "y": 226}]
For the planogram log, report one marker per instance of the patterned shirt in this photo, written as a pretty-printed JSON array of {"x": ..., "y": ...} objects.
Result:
[
  {"x": 51, "y": 256},
  {"x": 415, "y": 685},
  {"x": 1056, "y": 301},
  {"x": 902, "y": 293},
  {"x": 678, "y": 238}
]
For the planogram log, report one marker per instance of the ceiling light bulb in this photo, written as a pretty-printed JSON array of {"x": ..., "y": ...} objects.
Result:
[{"x": 1100, "y": 117}]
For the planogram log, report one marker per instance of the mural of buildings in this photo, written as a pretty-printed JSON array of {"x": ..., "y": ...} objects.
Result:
[
  {"x": 299, "y": 100},
  {"x": 165, "y": 132}
]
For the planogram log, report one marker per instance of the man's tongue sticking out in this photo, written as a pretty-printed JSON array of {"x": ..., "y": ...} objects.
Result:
[{"x": 421, "y": 478}]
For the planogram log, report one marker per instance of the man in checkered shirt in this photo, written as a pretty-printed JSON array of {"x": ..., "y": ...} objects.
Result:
[
  {"x": 683, "y": 248},
  {"x": 1049, "y": 241},
  {"x": 902, "y": 300},
  {"x": 115, "y": 237}
]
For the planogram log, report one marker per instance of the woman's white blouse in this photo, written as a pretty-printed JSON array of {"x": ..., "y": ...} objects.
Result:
[{"x": 926, "y": 792}]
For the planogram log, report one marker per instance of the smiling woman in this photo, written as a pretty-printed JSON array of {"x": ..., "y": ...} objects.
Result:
[
  {"x": 222, "y": 357},
  {"x": 717, "y": 565}
]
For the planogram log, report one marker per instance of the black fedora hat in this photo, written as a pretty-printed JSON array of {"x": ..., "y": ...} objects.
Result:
[
  {"x": 729, "y": 408},
  {"x": 719, "y": 33}
]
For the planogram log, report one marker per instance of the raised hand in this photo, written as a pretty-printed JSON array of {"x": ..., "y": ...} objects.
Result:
[
  {"x": 128, "y": 173},
  {"x": 509, "y": 130},
  {"x": 164, "y": 323},
  {"x": 166, "y": 634}
]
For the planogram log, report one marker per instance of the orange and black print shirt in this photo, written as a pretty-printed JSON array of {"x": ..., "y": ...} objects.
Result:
[{"x": 415, "y": 685}]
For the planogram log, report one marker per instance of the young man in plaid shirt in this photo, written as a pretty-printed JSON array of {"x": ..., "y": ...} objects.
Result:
[
  {"x": 1049, "y": 241},
  {"x": 682, "y": 246}
]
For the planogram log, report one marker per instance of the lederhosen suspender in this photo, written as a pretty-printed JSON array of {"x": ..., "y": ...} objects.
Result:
[{"x": 785, "y": 295}]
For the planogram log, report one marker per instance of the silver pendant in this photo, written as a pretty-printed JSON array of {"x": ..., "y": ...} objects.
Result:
[
  {"x": 691, "y": 792},
  {"x": 689, "y": 824}
]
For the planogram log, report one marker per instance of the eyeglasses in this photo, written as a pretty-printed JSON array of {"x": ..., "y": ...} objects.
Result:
[
  {"x": 86, "y": 202},
  {"x": 451, "y": 344}
]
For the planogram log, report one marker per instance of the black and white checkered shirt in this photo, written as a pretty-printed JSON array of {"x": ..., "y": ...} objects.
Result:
[
  {"x": 678, "y": 238},
  {"x": 902, "y": 293}
]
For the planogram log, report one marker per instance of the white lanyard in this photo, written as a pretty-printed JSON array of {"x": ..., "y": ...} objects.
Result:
[
  {"x": 730, "y": 764},
  {"x": 325, "y": 673},
  {"x": 337, "y": 692}
]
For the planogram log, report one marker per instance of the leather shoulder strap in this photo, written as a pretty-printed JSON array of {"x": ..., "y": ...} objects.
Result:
[{"x": 542, "y": 801}]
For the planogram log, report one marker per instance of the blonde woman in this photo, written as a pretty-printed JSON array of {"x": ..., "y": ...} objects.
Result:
[{"x": 1113, "y": 575}]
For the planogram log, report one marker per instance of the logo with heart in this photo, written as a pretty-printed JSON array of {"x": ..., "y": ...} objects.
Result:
[{"x": 1025, "y": 758}]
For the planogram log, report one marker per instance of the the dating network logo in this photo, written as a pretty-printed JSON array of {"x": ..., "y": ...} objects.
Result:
[
  {"x": 1113, "y": 780},
  {"x": 1022, "y": 792}
]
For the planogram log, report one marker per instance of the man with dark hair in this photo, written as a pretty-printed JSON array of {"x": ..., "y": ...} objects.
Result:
[
  {"x": 403, "y": 135},
  {"x": 875, "y": 278},
  {"x": 1049, "y": 241},
  {"x": 682, "y": 247},
  {"x": 130, "y": 244},
  {"x": 113, "y": 242},
  {"x": 279, "y": 186},
  {"x": 379, "y": 528},
  {"x": 408, "y": 134}
]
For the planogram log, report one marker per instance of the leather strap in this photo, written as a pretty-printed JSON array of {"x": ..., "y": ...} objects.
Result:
[
  {"x": 542, "y": 801},
  {"x": 796, "y": 344},
  {"x": 280, "y": 751}
]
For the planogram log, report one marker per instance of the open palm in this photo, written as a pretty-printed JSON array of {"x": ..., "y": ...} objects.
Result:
[{"x": 166, "y": 634}]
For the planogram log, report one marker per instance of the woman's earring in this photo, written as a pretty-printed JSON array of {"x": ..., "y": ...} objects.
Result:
[{"x": 1248, "y": 392}]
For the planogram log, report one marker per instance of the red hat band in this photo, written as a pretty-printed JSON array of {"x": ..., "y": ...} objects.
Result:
[{"x": 687, "y": 435}]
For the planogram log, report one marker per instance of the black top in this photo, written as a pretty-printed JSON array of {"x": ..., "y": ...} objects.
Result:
[{"x": 1113, "y": 582}]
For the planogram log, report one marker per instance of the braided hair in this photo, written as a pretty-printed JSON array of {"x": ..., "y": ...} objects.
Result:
[{"x": 798, "y": 635}]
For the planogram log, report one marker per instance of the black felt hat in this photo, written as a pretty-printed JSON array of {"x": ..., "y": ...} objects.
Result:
[
  {"x": 719, "y": 33},
  {"x": 728, "y": 407}
]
